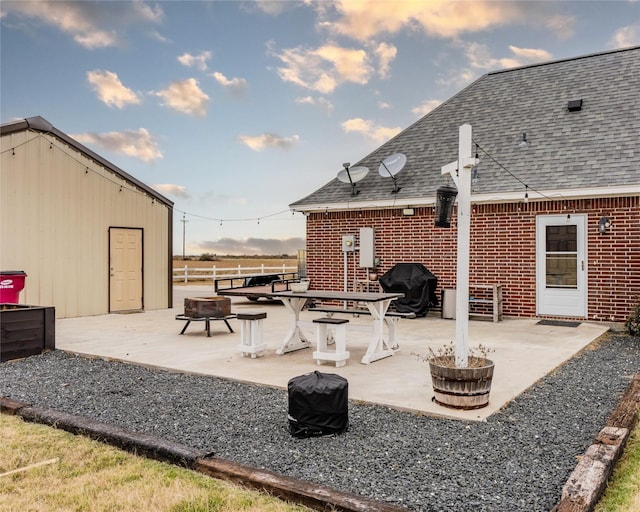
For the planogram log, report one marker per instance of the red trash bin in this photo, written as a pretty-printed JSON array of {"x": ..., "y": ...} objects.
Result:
[{"x": 11, "y": 284}]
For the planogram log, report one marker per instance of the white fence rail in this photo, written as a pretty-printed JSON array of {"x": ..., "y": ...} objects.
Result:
[{"x": 213, "y": 273}]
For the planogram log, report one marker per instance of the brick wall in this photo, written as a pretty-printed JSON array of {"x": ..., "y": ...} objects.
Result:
[{"x": 502, "y": 249}]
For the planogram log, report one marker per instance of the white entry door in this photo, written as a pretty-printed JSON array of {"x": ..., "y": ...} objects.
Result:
[
  {"x": 125, "y": 269},
  {"x": 561, "y": 282}
]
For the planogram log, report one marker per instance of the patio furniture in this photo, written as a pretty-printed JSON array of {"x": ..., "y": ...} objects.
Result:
[
  {"x": 322, "y": 353},
  {"x": 377, "y": 306},
  {"x": 251, "y": 334}
]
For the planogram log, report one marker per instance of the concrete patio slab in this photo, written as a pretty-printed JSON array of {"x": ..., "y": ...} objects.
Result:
[{"x": 523, "y": 351}]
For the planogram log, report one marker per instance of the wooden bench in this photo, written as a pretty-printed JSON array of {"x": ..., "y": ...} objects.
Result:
[
  {"x": 207, "y": 321},
  {"x": 340, "y": 354},
  {"x": 495, "y": 301},
  {"x": 356, "y": 312}
]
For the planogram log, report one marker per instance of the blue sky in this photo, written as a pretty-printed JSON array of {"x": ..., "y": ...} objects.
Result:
[{"x": 236, "y": 109}]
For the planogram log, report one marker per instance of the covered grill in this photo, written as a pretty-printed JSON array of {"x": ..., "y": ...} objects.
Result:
[{"x": 418, "y": 285}]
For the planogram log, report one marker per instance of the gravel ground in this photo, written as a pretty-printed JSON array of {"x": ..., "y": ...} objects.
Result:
[{"x": 518, "y": 460}]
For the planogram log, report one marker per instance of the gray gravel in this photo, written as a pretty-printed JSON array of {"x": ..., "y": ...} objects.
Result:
[{"x": 518, "y": 460}]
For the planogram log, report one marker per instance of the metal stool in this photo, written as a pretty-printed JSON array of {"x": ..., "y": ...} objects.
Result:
[{"x": 251, "y": 334}]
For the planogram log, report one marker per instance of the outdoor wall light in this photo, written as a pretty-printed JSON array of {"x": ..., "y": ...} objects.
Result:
[
  {"x": 524, "y": 142},
  {"x": 604, "y": 225},
  {"x": 445, "y": 199}
]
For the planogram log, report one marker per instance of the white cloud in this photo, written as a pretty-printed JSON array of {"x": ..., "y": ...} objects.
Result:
[
  {"x": 272, "y": 7},
  {"x": 383, "y": 105},
  {"x": 323, "y": 103},
  {"x": 240, "y": 246},
  {"x": 386, "y": 53},
  {"x": 626, "y": 36},
  {"x": 91, "y": 24},
  {"x": 268, "y": 140},
  {"x": 135, "y": 143},
  {"x": 324, "y": 68},
  {"x": 236, "y": 86},
  {"x": 480, "y": 57},
  {"x": 185, "y": 96},
  {"x": 425, "y": 107},
  {"x": 196, "y": 61},
  {"x": 365, "y": 19},
  {"x": 369, "y": 129},
  {"x": 110, "y": 89},
  {"x": 172, "y": 190}
]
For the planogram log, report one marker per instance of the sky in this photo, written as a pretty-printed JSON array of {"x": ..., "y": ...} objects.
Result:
[{"x": 236, "y": 109}]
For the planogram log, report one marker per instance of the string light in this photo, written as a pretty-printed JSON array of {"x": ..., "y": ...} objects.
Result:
[
  {"x": 527, "y": 187},
  {"x": 135, "y": 189}
]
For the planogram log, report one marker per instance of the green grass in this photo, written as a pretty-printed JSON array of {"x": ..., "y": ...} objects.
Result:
[
  {"x": 623, "y": 491},
  {"x": 52, "y": 470}
]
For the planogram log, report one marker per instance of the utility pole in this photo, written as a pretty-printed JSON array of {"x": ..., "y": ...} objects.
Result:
[{"x": 184, "y": 225}]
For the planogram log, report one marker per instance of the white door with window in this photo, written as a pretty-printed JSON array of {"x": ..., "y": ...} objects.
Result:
[{"x": 561, "y": 282}]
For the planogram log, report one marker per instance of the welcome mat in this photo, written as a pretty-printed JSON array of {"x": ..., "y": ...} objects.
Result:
[{"x": 559, "y": 323}]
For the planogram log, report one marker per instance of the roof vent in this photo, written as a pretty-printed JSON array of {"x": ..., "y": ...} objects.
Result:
[{"x": 574, "y": 105}]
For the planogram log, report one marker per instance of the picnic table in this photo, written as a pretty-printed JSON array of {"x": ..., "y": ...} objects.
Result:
[{"x": 377, "y": 306}]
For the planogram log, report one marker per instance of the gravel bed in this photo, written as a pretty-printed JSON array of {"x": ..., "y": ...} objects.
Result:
[{"x": 518, "y": 460}]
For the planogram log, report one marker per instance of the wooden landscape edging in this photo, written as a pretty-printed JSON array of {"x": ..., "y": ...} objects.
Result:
[
  {"x": 318, "y": 497},
  {"x": 588, "y": 481}
]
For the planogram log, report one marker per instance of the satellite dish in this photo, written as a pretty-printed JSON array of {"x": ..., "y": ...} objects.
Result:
[
  {"x": 353, "y": 176},
  {"x": 391, "y": 166}
]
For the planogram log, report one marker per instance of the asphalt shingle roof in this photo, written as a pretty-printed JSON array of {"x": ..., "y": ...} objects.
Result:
[{"x": 596, "y": 147}]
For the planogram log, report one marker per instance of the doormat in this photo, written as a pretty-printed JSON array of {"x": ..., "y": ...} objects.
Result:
[{"x": 559, "y": 323}]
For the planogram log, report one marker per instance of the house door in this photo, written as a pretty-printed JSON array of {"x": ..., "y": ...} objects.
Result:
[
  {"x": 125, "y": 269},
  {"x": 561, "y": 282}
]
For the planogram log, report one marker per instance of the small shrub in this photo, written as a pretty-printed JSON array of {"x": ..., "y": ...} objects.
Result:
[
  {"x": 633, "y": 322},
  {"x": 476, "y": 355},
  {"x": 207, "y": 257}
]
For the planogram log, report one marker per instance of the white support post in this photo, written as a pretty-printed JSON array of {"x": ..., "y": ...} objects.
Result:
[{"x": 466, "y": 161}]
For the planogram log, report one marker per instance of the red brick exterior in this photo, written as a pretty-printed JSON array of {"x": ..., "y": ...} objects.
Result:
[{"x": 503, "y": 250}]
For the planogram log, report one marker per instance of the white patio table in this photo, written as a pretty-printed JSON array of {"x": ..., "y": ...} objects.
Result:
[{"x": 377, "y": 305}]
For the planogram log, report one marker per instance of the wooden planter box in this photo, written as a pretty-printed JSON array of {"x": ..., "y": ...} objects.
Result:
[{"x": 26, "y": 330}]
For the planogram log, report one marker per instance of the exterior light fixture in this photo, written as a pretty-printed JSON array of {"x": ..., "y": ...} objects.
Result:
[
  {"x": 524, "y": 142},
  {"x": 445, "y": 199},
  {"x": 604, "y": 225}
]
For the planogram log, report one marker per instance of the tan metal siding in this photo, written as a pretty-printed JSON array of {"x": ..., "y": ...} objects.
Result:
[{"x": 56, "y": 209}]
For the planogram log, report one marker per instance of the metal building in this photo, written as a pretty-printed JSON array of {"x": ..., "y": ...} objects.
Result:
[{"x": 91, "y": 238}]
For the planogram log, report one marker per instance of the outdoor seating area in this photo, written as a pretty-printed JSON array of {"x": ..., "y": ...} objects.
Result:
[{"x": 523, "y": 351}]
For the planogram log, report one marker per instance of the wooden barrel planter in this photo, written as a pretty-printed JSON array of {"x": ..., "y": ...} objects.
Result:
[
  {"x": 461, "y": 388},
  {"x": 203, "y": 307}
]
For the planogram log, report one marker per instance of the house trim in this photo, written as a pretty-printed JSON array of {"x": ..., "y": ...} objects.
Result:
[{"x": 489, "y": 198}]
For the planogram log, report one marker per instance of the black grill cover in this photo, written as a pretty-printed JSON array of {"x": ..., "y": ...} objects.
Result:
[
  {"x": 417, "y": 284},
  {"x": 318, "y": 404}
]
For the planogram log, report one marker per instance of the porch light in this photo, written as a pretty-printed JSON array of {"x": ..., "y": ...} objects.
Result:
[
  {"x": 604, "y": 224},
  {"x": 445, "y": 199}
]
